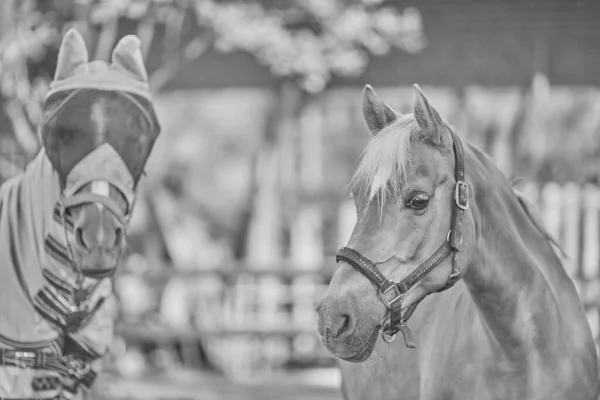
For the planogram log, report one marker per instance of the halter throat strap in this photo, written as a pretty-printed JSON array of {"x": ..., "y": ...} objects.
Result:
[{"x": 451, "y": 245}]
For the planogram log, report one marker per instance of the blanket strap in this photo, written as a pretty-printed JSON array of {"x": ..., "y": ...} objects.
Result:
[{"x": 73, "y": 368}]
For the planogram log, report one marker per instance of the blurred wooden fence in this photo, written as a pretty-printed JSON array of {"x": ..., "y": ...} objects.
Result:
[{"x": 254, "y": 320}]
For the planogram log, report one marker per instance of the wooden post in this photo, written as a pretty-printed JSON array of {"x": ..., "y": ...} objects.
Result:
[
  {"x": 306, "y": 233},
  {"x": 106, "y": 39},
  {"x": 264, "y": 246},
  {"x": 540, "y": 90},
  {"x": 589, "y": 286},
  {"x": 551, "y": 195},
  {"x": 572, "y": 221},
  {"x": 591, "y": 233}
]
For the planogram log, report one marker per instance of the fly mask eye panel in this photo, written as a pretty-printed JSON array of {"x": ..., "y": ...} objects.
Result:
[
  {"x": 386, "y": 287},
  {"x": 102, "y": 168}
]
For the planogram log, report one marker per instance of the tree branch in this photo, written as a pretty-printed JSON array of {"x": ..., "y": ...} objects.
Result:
[
  {"x": 192, "y": 51},
  {"x": 24, "y": 135},
  {"x": 106, "y": 40},
  {"x": 145, "y": 31}
]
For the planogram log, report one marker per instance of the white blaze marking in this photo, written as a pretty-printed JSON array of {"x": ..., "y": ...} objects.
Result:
[{"x": 99, "y": 119}]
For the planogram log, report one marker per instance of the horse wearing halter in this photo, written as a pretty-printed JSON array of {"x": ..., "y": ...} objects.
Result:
[{"x": 397, "y": 322}]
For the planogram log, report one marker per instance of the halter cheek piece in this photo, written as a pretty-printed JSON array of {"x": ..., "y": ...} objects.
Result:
[{"x": 366, "y": 267}]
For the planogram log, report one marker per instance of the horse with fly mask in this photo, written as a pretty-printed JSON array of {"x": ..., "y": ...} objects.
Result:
[{"x": 63, "y": 222}]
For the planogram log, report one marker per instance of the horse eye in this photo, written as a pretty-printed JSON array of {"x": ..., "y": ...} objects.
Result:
[
  {"x": 65, "y": 134},
  {"x": 418, "y": 202}
]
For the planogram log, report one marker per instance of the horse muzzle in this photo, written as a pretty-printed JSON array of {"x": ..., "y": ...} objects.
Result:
[
  {"x": 97, "y": 263},
  {"x": 342, "y": 334}
]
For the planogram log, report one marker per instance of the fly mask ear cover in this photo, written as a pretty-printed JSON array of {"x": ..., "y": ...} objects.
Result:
[{"x": 103, "y": 168}]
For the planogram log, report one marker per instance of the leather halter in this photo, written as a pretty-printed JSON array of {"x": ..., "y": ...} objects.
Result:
[{"x": 397, "y": 322}]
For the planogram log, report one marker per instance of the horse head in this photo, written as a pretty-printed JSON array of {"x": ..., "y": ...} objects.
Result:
[
  {"x": 98, "y": 130},
  {"x": 411, "y": 204}
]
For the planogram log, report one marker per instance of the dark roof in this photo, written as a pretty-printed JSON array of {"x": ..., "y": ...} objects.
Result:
[{"x": 488, "y": 42}]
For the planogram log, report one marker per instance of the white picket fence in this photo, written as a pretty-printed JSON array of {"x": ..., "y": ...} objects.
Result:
[
  {"x": 255, "y": 319},
  {"x": 571, "y": 213}
]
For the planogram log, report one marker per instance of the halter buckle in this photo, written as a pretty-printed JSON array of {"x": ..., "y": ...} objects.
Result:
[
  {"x": 399, "y": 295},
  {"x": 461, "y": 195},
  {"x": 24, "y": 359}
]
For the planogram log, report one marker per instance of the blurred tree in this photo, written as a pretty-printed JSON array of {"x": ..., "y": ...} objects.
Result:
[
  {"x": 312, "y": 40},
  {"x": 304, "y": 43}
]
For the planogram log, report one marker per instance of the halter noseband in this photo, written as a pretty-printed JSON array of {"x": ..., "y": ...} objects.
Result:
[{"x": 366, "y": 267}]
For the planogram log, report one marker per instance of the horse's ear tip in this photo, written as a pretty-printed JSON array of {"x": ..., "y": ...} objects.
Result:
[
  {"x": 369, "y": 93},
  {"x": 71, "y": 34},
  {"x": 71, "y": 31},
  {"x": 130, "y": 40},
  {"x": 417, "y": 88}
]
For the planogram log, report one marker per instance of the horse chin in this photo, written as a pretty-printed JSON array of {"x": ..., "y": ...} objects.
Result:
[
  {"x": 364, "y": 352},
  {"x": 98, "y": 273},
  {"x": 97, "y": 265}
]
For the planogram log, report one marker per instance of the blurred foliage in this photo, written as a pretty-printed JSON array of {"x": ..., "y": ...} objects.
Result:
[
  {"x": 308, "y": 41},
  {"x": 312, "y": 40},
  {"x": 302, "y": 42},
  {"x": 29, "y": 37}
]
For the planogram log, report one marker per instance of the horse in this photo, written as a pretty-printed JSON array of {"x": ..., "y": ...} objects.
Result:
[
  {"x": 63, "y": 222},
  {"x": 442, "y": 237}
]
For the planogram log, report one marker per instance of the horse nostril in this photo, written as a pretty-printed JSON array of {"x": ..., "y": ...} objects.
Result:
[
  {"x": 318, "y": 306},
  {"x": 340, "y": 325},
  {"x": 79, "y": 237},
  {"x": 118, "y": 236}
]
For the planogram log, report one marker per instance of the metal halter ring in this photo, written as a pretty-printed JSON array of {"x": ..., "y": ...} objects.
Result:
[
  {"x": 448, "y": 237},
  {"x": 78, "y": 369},
  {"x": 386, "y": 336}
]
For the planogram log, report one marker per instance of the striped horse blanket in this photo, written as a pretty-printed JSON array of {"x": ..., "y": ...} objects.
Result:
[
  {"x": 38, "y": 307},
  {"x": 55, "y": 328}
]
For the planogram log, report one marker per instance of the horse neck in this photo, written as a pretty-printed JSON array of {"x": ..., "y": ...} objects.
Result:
[
  {"x": 511, "y": 268},
  {"x": 40, "y": 190}
]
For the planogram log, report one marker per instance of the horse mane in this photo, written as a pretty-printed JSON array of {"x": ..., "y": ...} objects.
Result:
[
  {"x": 384, "y": 162},
  {"x": 534, "y": 216}
]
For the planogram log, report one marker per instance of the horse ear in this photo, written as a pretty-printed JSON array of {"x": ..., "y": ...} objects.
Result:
[
  {"x": 427, "y": 117},
  {"x": 72, "y": 54},
  {"x": 127, "y": 56},
  {"x": 376, "y": 113}
]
